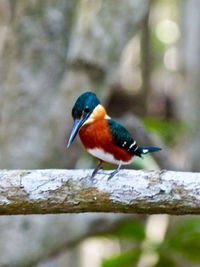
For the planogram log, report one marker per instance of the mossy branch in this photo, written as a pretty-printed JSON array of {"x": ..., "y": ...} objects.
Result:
[{"x": 73, "y": 191}]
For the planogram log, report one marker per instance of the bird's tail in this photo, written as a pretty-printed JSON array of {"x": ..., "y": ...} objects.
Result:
[{"x": 145, "y": 149}]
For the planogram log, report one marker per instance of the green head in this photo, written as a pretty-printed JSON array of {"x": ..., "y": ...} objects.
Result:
[{"x": 82, "y": 109}]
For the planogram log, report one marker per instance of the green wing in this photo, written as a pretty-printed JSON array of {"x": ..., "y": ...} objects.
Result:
[{"x": 121, "y": 137}]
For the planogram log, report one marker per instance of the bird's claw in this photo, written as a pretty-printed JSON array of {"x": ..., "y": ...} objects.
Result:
[{"x": 113, "y": 174}]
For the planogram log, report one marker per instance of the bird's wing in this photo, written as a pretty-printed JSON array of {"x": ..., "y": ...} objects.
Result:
[{"x": 121, "y": 137}]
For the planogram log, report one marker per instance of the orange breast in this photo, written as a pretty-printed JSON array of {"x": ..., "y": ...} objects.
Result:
[{"x": 98, "y": 135}]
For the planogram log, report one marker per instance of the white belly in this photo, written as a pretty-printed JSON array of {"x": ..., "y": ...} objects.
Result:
[{"x": 107, "y": 157}]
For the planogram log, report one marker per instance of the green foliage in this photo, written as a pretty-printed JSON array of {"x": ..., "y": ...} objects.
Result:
[
  {"x": 165, "y": 261},
  {"x": 123, "y": 260},
  {"x": 184, "y": 239},
  {"x": 168, "y": 130},
  {"x": 130, "y": 229},
  {"x": 181, "y": 242}
]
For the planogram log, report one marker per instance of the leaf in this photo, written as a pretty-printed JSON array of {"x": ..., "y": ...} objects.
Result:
[
  {"x": 165, "y": 261},
  {"x": 130, "y": 229},
  {"x": 185, "y": 239},
  {"x": 123, "y": 260},
  {"x": 167, "y": 129}
]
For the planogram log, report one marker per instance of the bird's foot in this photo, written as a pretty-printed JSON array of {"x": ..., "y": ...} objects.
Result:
[
  {"x": 113, "y": 174},
  {"x": 96, "y": 169},
  {"x": 115, "y": 171},
  {"x": 94, "y": 172}
]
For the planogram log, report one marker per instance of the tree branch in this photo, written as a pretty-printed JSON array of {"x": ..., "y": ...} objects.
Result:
[{"x": 73, "y": 191}]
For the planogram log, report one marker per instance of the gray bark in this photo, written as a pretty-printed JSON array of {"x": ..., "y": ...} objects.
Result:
[
  {"x": 102, "y": 30},
  {"x": 32, "y": 62},
  {"x": 73, "y": 191}
]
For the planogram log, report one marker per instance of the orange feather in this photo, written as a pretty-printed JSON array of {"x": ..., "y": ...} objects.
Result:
[{"x": 98, "y": 135}]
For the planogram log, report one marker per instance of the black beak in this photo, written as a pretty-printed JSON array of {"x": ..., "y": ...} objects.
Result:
[{"x": 77, "y": 125}]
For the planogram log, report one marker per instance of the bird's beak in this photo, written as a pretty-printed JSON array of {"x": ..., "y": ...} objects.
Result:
[{"x": 77, "y": 125}]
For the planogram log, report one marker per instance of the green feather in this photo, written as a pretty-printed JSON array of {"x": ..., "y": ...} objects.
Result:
[{"x": 121, "y": 137}]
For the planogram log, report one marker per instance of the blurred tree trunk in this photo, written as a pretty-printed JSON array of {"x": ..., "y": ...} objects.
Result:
[
  {"x": 191, "y": 90},
  {"x": 30, "y": 240},
  {"x": 33, "y": 60},
  {"x": 51, "y": 51}
]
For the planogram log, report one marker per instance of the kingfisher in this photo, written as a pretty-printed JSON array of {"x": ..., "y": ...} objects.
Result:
[{"x": 103, "y": 137}]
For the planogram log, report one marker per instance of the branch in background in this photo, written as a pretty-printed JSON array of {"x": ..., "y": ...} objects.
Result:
[{"x": 73, "y": 191}]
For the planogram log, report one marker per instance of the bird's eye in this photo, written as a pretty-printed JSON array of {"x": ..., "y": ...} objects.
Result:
[{"x": 86, "y": 109}]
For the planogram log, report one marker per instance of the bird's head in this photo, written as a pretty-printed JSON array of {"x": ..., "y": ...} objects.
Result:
[{"x": 82, "y": 110}]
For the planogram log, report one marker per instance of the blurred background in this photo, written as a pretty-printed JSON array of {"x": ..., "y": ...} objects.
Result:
[{"x": 142, "y": 59}]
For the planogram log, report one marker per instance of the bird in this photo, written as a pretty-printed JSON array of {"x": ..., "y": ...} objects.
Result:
[{"x": 103, "y": 137}]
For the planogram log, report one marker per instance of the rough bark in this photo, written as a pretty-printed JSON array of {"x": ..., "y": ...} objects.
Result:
[{"x": 73, "y": 191}]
